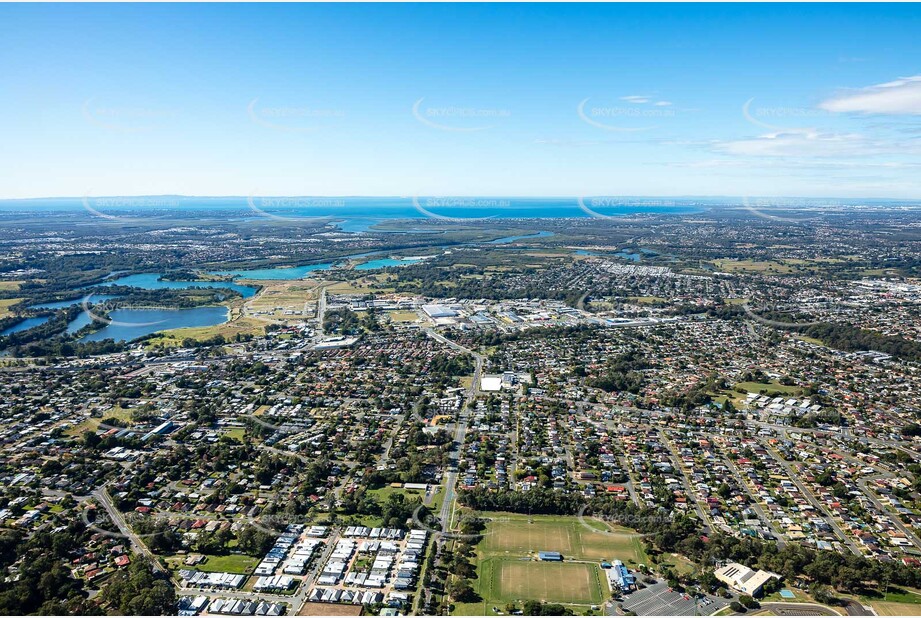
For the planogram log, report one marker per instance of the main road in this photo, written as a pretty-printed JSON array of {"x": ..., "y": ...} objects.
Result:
[
  {"x": 460, "y": 429},
  {"x": 102, "y": 495}
]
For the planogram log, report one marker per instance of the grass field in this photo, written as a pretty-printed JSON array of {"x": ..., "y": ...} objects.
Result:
[
  {"x": 285, "y": 295},
  {"x": 360, "y": 286},
  {"x": 752, "y": 266},
  {"x": 897, "y": 596},
  {"x": 231, "y": 563},
  {"x": 774, "y": 388},
  {"x": 646, "y": 300},
  {"x": 173, "y": 338},
  {"x": 561, "y": 582},
  {"x": 5, "y": 305},
  {"x": 403, "y": 316},
  {"x": 237, "y": 433},
  {"x": 6, "y": 286},
  {"x": 508, "y": 569},
  {"x": 383, "y": 493},
  {"x": 501, "y": 581},
  {"x": 889, "y": 608},
  {"x": 92, "y": 423},
  {"x": 807, "y": 339},
  {"x": 596, "y": 540}
]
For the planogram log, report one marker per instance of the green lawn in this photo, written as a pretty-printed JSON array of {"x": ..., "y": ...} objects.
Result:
[
  {"x": 508, "y": 569},
  {"x": 231, "y": 563},
  {"x": 895, "y": 595},
  {"x": 237, "y": 433},
  {"x": 382, "y": 494},
  {"x": 773, "y": 388},
  {"x": 589, "y": 539}
]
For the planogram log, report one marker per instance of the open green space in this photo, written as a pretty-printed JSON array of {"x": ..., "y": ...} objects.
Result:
[
  {"x": 5, "y": 305},
  {"x": 772, "y": 388},
  {"x": 585, "y": 539},
  {"x": 508, "y": 568},
  {"x": 229, "y": 563},
  {"x": 896, "y": 595}
]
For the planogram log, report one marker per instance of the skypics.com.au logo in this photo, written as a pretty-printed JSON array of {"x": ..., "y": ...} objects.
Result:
[{"x": 458, "y": 119}]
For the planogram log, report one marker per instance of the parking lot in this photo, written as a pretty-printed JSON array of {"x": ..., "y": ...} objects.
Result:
[{"x": 657, "y": 600}]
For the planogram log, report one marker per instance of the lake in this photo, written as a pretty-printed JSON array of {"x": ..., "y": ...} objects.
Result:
[
  {"x": 300, "y": 272},
  {"x": 129, "y": 324},
  {"x": 387, "y": 262},
  {"x": 284, "y": 273},
  {"x": 25, "y": 325},
  {"x": 63, "y": 304},
  {"x": 151, "y": 281}
]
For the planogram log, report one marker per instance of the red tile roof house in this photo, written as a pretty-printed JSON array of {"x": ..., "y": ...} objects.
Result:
[
  {"x": 122, "y": 561},
  {"x": 93, "y": 574}
]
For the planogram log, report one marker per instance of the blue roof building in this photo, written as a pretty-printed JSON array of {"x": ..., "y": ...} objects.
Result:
[{"x": 623, "y": 577}]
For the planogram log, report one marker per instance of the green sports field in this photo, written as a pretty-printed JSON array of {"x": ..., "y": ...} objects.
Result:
[
  {"x": 508, "y": 569},
  {"x": 585, "y": 539}
]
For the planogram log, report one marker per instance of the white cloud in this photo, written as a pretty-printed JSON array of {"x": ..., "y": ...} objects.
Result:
[
  {"x": 662, "y": 103},
  {"x": 635, "y": 98},
  {"x": 712, "y": 163},
  {"x": 902, "y": 96},
  {"x": 801, "y": 164},
  {"x": 801, "y": 144}
]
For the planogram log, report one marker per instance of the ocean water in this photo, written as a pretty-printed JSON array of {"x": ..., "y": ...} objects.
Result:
[{"x": 355, "y": 214}]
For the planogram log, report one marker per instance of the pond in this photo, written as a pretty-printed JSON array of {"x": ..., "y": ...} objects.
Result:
[
  {"x": 63, "y": 304},
  {"x": 24, "y": 325},
  {"x": 284, "y": 273},
  {"x": 386, "y": 262},
  {"x": 151, "y": 281},
  {"x": 129, "y": 324}
]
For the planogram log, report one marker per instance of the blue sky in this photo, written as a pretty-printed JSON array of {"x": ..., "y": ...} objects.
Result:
[{"x": 521, "y": 100}]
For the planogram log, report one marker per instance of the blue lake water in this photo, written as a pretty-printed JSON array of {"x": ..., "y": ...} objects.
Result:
[
  {"x": 292, "y": 272},
  {"x": 633, "y": 257},
  {"x": 83, "y": 318},
  {"x": 25, "y": 325},
  {"x": 300, "y": 272},
  {"x": 151, "y": 281},
  {"x": 129, "y": 324},
  {"x": 636, "y": 257},
  {"x": 63, "y": 304},
  {"x": 386, "y": 262},
  {"x": 583, "y": 252}
]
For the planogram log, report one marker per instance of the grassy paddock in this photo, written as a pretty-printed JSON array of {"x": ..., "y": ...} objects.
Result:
[
  {"x": 510, "y": 534},
  {"x": 890, "y": 608},
  {"x": 174, "y": 338},
  {"x": 559, "y": 582},
  {"x": 508, "y": 569},
  {"x": 5, "y": 305},
  {"x": 231, "y": 563}
]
